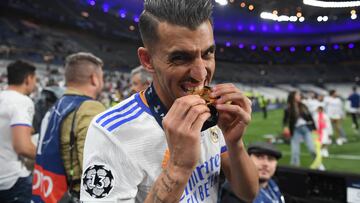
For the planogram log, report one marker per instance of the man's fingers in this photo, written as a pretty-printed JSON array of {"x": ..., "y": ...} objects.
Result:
[
  {"x": 236, "y": 99},
  {"x": 223, "y": 89},
  {"x": 182, "y": 105},
  {"x": 193, "y": 114},
  {"x": 199, "y": 122},
  {"x": 243, "y": 116}
]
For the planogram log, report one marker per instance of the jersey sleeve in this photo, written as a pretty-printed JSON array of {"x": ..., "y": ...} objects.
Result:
[
  {"x": 22, "y": 113},
  {"x": 109, "y": 175},
  {"x": 222, "y": 143}
]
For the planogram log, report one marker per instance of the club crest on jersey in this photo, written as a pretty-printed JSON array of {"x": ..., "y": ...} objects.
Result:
[
  {"x": 214, "y": 136},
  {"x": 98, "y": 181}
]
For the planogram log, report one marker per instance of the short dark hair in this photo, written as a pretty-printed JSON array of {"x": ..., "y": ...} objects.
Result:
[
  {"x": 187, "y": 13},
  {"x": 77, "y": 67},
  {"x": 18, "y": 71},
  {"x": 332, "y": 92}
]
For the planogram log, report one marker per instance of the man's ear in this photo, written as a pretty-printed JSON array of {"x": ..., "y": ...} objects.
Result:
[
  {"x": 145, "y": 59},
  {"x": 94, "y": 80}
]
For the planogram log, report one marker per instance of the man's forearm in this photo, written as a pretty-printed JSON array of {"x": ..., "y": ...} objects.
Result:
[
  {"x": 244, "y": 176},
  {"x": 22, "y": 143},
  {"x": 28, "y": 151},
  {"x": 169, "y": 186}
]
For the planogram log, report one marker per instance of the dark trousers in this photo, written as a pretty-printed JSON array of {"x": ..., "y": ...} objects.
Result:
[
  {"x": 19, "y": 193},
  {"x": 354, "y": 120}
]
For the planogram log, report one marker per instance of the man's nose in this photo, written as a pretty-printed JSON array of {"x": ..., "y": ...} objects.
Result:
[{"x": 198, "y": 70}]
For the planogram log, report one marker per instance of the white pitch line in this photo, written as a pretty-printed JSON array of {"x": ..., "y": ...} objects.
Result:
[{"x": 334, "y": 156}]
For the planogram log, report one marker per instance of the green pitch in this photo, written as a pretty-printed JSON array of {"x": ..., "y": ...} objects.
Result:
[{"x": 344, "y": 158}]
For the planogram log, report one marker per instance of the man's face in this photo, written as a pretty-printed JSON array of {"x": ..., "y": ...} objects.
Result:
[
  {"x": 265, "y": 164},
  {"x": 182, "y": 59},
  {"x": 136, "y": 84},
  {"x": 31, "y": 83}
]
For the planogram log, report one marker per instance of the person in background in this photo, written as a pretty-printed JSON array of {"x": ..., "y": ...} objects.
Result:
[
  {"x": 48, "y": 96},
  {"x": 321, "y": 137},
  {"x": 265, "y": 156},
  {"x": 263, "y": 103},
  {"x": 63, "y": 130},
  {"x": 298, "y": 120},
  {"x": 16, "y": 116},
  {"x": 334, "y": 107},
  {"x": 140, "y": 79},
  {"x": 311, "y": 102},
  {"x": 354, "y": 100}
]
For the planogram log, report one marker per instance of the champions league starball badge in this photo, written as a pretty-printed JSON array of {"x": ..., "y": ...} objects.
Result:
[{"x": 98, "y": 181}]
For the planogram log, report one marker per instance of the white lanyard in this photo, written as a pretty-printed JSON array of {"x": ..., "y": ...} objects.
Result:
[{"x": 271, "y": 196}]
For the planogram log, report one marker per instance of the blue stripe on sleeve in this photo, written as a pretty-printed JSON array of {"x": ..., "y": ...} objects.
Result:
[
  {"x": 121, "y": 108},
  {"x": 111, "y": 128},
  {"x": 119, "y": 116},
  {"x": 223, "y": 149},
  {"x": 20, "y": 124}
]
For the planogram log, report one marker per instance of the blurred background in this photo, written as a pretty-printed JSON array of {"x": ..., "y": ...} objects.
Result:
[{"x": 268, "y": 48}]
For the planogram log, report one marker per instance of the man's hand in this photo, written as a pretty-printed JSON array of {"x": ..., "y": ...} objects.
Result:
[
  {"x": 234, "y": 115},
  {"x": 182, "y": 126},
  {"x": 234, "y": 111}
]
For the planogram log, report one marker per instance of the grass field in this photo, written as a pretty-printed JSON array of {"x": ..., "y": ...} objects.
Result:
[{"x": 344, "y": 159}]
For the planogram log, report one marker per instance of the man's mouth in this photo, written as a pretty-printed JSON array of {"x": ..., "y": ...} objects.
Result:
[{"x": 192, "y": 90}]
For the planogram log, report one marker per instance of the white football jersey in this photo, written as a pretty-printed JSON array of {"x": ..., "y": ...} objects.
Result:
[
  {"x": 126, "y": 149},
  {"x": 16, "y": 109}
]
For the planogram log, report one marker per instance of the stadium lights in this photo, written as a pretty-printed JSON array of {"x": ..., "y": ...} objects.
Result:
[
  {"x": 353, "y": 16},
  {"x": 292, "y": 49},
  {"x": 274, "y": 17},
  {"x": 136, "y": 19},
  {"x": 106, "y": 8},
  {"x": 251, "y": 7},
  {"x": 92, "y": 3},
  {"x": 331, "y": 4},
  {"x": 122, "y": 13},
  {"x": 322, "y": 18},
  {"x": 222, "y": 2}
]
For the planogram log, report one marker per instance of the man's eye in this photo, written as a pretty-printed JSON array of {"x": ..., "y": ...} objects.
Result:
[
  {"x": 179, "y": 59},
  {"x": 209, "y": 53}
]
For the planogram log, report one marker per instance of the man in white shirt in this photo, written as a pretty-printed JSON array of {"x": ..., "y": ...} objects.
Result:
[
  {"x": 16, "y": 115},
  {"x": 334, "y": 108},
  {"x": 165, "y": 144}
]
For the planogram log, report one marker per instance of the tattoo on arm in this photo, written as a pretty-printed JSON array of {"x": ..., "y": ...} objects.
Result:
[{"x": 167, "y": 186}]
